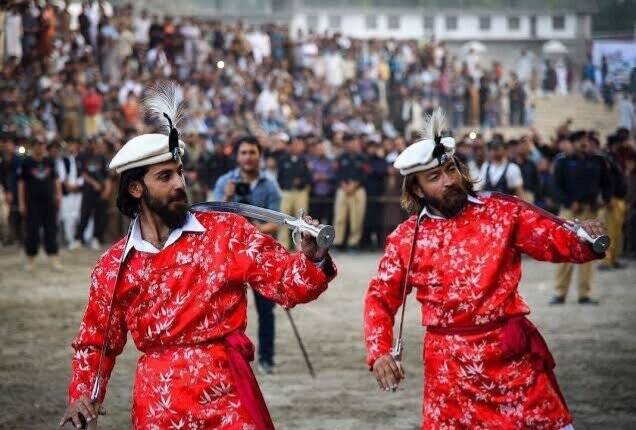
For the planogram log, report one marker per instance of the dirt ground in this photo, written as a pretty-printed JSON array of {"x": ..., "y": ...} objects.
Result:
[{"x": 595, "y": 348}]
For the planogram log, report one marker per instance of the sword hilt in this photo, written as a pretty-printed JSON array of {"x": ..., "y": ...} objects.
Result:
[
  {"x": 396, "y": 350},
  {"x": 324, "y": 234},
  {"x": 599, "y": 243}
]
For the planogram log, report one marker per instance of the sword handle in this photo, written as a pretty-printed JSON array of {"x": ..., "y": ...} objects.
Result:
[
  {"x": 324, "y": 234},
  {"x": 396, "y": 350},
  {"x": 599, "y": 244}
]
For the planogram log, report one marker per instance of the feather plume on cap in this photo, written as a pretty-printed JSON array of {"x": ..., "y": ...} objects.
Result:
[
  {"x": 434, "y": 124},
  {"x": 164, "y": 103},
  {"x": 165, "y": 98}
]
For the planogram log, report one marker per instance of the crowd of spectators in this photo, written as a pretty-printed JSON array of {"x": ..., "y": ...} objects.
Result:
[{"x": 330, "y": 113}]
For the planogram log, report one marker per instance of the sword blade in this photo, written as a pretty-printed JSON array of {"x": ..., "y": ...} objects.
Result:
[{"x": 249, "y": 211}]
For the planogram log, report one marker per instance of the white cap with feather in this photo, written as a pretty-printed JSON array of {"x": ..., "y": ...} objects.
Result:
[
  {"x": 431, "y": 151},
  {"x": 163, "y": 104}
]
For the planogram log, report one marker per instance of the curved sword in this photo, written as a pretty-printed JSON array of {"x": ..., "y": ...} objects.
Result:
[{"x": 324, "y": 234}]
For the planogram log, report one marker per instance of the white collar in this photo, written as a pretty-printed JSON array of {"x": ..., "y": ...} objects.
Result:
[
  {"x": 426, "y": 212},
  {"x": 136, "y": 240}
]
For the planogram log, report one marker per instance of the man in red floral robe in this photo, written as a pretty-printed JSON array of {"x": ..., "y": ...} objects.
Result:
[
  {"x": 486, "y": 365},
  {"x": 182, "y": 296}
]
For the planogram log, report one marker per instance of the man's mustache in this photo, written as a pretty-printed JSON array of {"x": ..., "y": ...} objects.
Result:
[{"x": 179, "y": 196}]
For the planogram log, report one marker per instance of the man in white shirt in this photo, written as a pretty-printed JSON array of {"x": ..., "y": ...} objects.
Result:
[
  {"x": 71, "y": 193},
  {"x": 500, "y": 174},
  {"x": 141, "y": 25}
]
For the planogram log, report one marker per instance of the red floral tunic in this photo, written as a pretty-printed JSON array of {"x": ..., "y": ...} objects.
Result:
[
  {"x": 465, "y": 272},
  {"x": 178, "y": 304}
]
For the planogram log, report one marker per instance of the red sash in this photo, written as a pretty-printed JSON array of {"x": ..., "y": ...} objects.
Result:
[
  {"x": 518, "y": 336},
  {"x": 240, "y": 351}
]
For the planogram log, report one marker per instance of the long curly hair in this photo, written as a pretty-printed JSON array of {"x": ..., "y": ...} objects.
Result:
[
  {"x": 413, "y": 204},
  {"x": 127, "y": 204}
]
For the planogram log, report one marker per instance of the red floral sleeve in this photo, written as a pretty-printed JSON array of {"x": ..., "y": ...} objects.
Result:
[
  {"x": 544, "y": 239},
  {"x": 88, "y": 342},
  {"x": 286, "y": 278},
  {"x": 384, "y": 295}
]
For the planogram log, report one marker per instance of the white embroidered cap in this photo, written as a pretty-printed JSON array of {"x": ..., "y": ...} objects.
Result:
[
  {"x": 144, "y": 150},
  {"x": 422, "y": 155},
  {"x": 431, "y": 151}
]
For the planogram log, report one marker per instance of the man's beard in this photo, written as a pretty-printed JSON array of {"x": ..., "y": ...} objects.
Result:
[
  {"x": 172, "y": 218},
  {"x": 451, "y": 203}
]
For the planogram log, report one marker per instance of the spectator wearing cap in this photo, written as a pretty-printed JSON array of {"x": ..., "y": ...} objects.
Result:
[
  {"x": 499, "y": 173},
  {"x": 351, "y": 197},
  {"x": 581, "y": 180},
  {"x": 294, "y": 179},
  {"x": 39, "y": 195},
  {"x": 616, "y": 208}
]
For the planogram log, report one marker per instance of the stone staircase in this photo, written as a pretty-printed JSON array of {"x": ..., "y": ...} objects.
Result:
[{"x": 551, "y": 111}]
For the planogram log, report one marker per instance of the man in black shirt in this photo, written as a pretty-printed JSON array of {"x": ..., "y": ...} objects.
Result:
[
  {"x": 351, "y": 197},
  {"x": 294, "y": 179},
  {"x": 39, "y": 196},
  {"x": 616, "y": 208},
  {"x": 93, "y": 168},
  {"x": 581, "y": 182}
]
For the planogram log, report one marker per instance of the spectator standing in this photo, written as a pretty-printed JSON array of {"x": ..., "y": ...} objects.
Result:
[
  {"x": 92, "y": 103},
  {"x": 323, "y": 171},
  {"x": 294, "y": 178},
  {"x": 627, "y": 117},
  {"x": 212, "y": 164},
  {"x": 522, "y": 156},
  {"x": 499, "y": 173},
  {"x": 247, "y": 184},
  {"x": 10, "y": 169},
  {"x": 517, "y": 96},
  {"x": 351, "y": 197},
  {"x": 581, "y": 179},
  {"x": 71, "y": 180},
  {"x": 630, "y": 225},
  {"x": 616, "y": 207},
  {"x": 374, "y": 184},
  {"x": 71, "y": 103},
  {"x": 39, "y": 195},
  {"x": 96, "y": 188}
]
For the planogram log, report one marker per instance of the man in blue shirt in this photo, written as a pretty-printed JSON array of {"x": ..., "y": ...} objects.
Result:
[{"x": 247, "y": 184}]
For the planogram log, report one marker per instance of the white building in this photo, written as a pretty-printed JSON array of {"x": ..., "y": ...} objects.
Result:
[{"x": 443, "y": 23}]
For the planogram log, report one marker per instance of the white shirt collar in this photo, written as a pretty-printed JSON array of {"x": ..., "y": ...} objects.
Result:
[
  {"x": 136, "y": 240},
  {"x": 426, "y": 212}
]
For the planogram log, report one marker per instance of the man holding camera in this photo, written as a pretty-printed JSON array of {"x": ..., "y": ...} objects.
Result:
[{"x": 247, "y": 184}]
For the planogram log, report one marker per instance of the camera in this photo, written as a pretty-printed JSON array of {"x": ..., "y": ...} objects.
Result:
[{"x": 243, "y": 191}]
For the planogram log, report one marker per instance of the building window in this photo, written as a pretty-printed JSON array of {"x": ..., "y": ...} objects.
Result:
[
  {"x": 451, "y": 23},
  {"x": 558, "y": 22},
  {"x": 312, "y": 22},
  {"x": 371, "y": 22},
  {"x": 394, "y": 22},
  {"x": 484, "y": 23},
  {"x": 334, "y": 21},
  {"x": 429, "y": 23},
  {"x": 514, "y": 23}
]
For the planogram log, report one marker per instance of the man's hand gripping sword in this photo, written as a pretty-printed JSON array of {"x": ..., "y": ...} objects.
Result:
[
  {"x": 324, "y": 235},
  {"x": 396, "y": 350}
]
